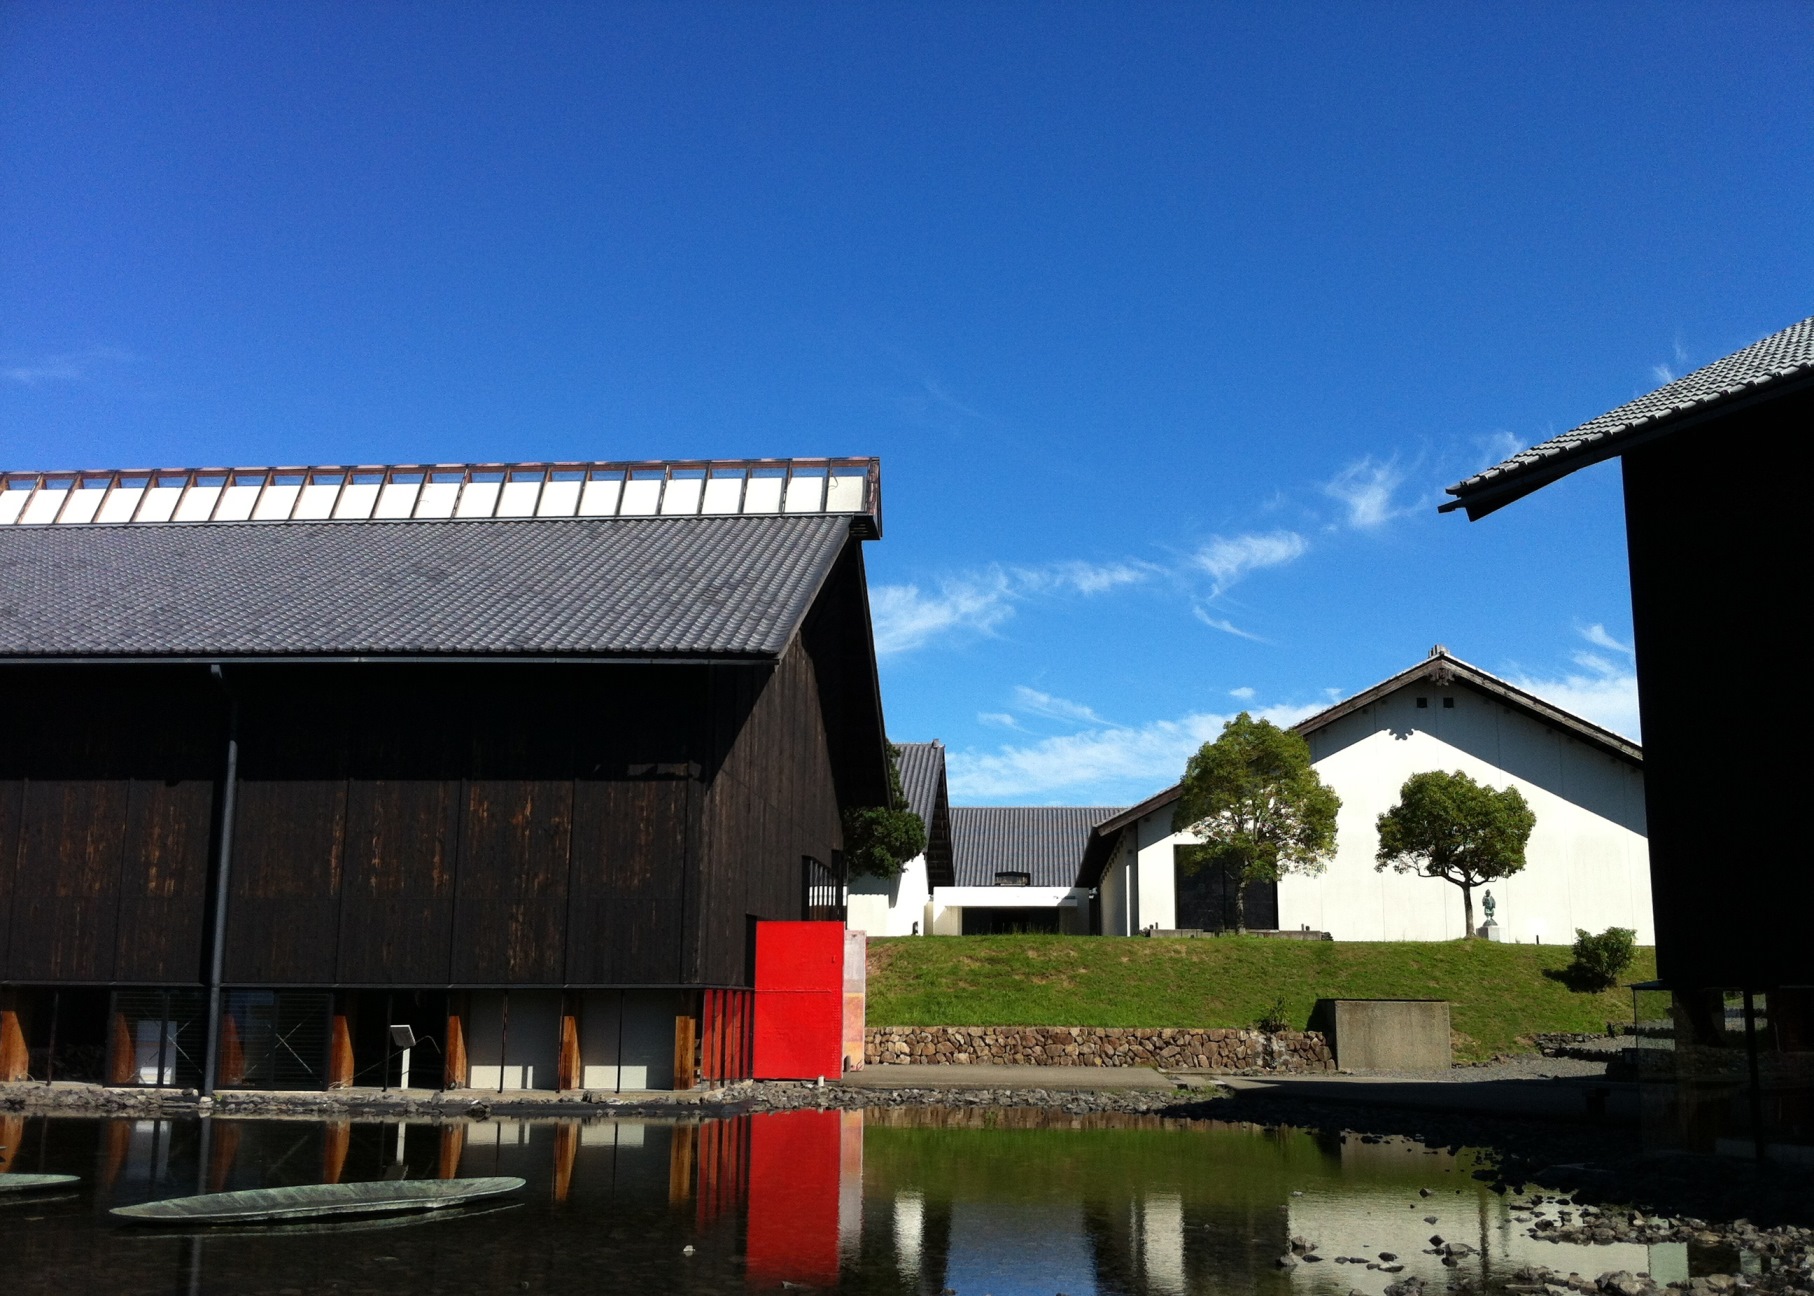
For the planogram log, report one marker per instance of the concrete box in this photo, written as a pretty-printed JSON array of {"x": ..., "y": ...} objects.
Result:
[{"x": 1385, "y": 1034}]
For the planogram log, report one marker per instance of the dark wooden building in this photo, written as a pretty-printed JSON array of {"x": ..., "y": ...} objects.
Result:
[
  {"x": 497, "y": 763},
  {"x": 1717, "y": 548}
]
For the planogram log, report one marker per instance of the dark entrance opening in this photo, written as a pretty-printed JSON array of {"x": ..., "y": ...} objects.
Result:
[
  {"x": 1206, "y": 898},
  {"x": 1010, "y": 922}
]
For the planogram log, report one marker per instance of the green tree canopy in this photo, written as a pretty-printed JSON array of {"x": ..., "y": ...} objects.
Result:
[
  {"x": 1256, "y": 807},
  {"x": 1450, "y": 827},
  {"x": 879, "y": 840}
]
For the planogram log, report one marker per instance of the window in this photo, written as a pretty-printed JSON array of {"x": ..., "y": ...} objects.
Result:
[
  {"x": 1422, "y": 703},
  {"x": 1448, "y": 704},
  {"x": 1013, "y": 879}
]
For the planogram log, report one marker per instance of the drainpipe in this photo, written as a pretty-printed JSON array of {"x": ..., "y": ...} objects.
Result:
[{"x": 217, "y": 953}]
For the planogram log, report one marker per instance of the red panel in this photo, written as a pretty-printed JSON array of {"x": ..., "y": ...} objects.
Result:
[
  {"x": 799, "y": 1034},
  {"x": 799, "y": 956},
  {"x": 793, "y": 1199}
]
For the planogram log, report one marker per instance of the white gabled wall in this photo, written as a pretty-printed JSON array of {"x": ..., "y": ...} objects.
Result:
[
  {"x": 889, "y": 906},
  {"x": 1587, "y": 865}
]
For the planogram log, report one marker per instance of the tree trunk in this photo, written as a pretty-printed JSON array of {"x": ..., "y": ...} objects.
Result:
[
  {"x": 1467, "y": 910},
  {"x": 1240, "y": 883}
]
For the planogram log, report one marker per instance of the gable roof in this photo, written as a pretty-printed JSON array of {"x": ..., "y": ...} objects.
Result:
[
  {"x": 1439, "y": 668},
  {"x": 923, "y": 780},
  {"x": 1780, "y": 363},
  {"x": 922, "y": 776},
  {"x": 718, "y": 588},
  {"x": 1044, "y": 842}
]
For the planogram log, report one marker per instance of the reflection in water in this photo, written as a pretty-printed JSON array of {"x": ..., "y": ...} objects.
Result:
[{"x": 903, "y": 1203}]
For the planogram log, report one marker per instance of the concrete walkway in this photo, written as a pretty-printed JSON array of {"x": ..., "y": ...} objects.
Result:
[
  {"x": 895, "y": 1075},
  {"x": 1575, "y": 1099}
]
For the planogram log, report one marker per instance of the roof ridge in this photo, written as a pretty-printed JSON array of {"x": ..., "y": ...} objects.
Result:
[
  {"x": 1785, "y": 354},
  {"x": 541, "y": 490}
]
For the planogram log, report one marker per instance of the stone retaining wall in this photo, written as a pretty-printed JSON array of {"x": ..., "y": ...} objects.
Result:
[{"x": 1105, "y": 1046}]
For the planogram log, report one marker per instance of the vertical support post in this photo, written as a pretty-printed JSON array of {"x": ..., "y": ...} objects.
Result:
[
  {"x": 340, "y": 1053},
  {"x": 568, "y": 1073},
  {"x": 121, "y": 1063},
  {"x": 217, "y": 952},
  {"x": 685, "y": 1037},
  {"x": 50, "y": 1052},
  {"x": 384, "y": 1081},
  {"x": 504, "y": 1042},
  {"x": 454, "y": 1052},
  {"x": 15, "y": 1061},
  {"x": 1758, "y": 1139}
]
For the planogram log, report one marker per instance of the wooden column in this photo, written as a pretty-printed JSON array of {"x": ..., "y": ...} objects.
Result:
[
  {"x": 453, "y": 1145},
  {"x": 685, "y": 1034},
  {"x": 335, "y": 1136},
  {"x": 567, "y": 1074},
  {"x": 456, "y": 1074},
  {"x": 12, "y": 1133},
  {"x": 566, "y": 1148},
  {"x": 15, "y": 1061},
  {"x": 340, "y": 1054},
  {"x": 232, "y": 1053},
  {"x": 122, "y": 1057},
  {"x": 681, "y": 1152},
  {"x": 221, "y": 1157}
]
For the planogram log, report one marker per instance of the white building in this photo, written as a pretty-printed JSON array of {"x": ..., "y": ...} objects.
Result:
[
  {"x": 986, "y": 869},
  {"x": 902, "y": 906},
  {"x": 1587, "y": 863},
  {"x": 1016, "y": 870}
]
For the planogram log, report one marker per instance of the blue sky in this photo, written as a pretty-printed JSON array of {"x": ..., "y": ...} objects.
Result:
[{"x": 1169, "y": 321}]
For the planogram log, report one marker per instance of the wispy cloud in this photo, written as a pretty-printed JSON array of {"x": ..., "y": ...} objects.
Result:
[
  {"x": 1665, "y": 373},
  {"x": 1223, "y": 624},
  {"x": 1365, "y": 489},
  {"x": 71, "y": 367},
  {"x": 1244, "y": 693},
  {"x": 1055, "y": 708},
  {"x": 1601, "y": 689},
  {"x": 997, "y": 720},
  {"x": 977, "y": 602},
  {"x": 1115, "y": 762},
  {"x": 1229, "y": 558}
]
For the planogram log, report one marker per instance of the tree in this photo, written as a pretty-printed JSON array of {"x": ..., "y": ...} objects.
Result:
[
  {"x": 1256, "y": 807},
  {"x": 879, "y": 840},
  {"x": 1450, "y": 827}
]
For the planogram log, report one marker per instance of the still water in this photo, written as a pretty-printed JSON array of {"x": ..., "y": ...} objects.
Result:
[{"x": 997, "y": 1203}]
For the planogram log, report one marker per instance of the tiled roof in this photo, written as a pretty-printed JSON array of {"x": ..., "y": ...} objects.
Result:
[
  {"x": 1045, "y": 842},
  {"x": 680, "y": 587},
  {"x": 922, "y": 774},
  {"x": 1785, "y": 355}
]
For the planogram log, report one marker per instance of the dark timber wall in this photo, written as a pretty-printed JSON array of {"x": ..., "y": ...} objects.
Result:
[
  {"x": 107, "y": 784},
  {"x": 1718, "y": 585},
  {"x": 431, "y": 825}
]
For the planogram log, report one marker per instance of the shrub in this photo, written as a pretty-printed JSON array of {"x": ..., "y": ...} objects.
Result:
[
  {"x": 1601, "y": 960},
  {"x": 1275, "y": 1018}
]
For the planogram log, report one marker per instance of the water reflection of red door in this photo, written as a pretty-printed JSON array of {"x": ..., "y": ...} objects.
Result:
[{"x": 799, "y": 1162}]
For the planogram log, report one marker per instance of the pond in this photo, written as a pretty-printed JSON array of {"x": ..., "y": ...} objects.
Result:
[{"x": 892, "y": 1201}]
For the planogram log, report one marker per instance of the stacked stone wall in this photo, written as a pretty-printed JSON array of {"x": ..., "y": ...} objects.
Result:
[{"x": 1104, "y": 1046}]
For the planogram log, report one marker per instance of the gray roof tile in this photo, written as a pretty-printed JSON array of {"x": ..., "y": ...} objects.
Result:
[
  {"x": 1779, "y": 356},
  {"x": 734, "y": 586},
  {"x": 922, "y": 774},
  {"x": 1045, "y": 842}
]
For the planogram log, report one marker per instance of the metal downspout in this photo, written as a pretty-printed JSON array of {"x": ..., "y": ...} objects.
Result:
[{"x": 217, "y": 954}]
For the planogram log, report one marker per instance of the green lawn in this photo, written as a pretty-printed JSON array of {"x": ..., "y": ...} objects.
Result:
[{"x": 1499, "y": 992}]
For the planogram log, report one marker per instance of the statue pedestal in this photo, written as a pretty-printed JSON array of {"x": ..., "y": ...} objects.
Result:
[{"x": 1490, "y": 931}]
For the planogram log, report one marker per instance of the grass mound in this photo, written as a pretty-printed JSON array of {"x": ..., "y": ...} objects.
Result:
[{"x": 1501, "y": 994}]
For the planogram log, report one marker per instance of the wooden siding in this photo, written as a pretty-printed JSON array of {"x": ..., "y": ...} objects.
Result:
[
  {"x": 1716, "y": 568},
  {"x": 772, "y": 802},
  {"x": 433, "y": 825},
  {"x": 106, "y": 820}
]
